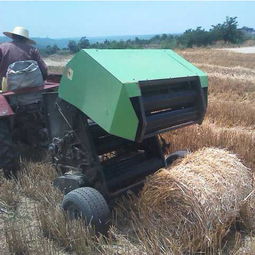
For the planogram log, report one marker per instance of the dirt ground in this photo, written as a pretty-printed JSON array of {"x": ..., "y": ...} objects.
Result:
[
  {"x": 56, "y": 60},
  {"x": 245, "y": 50}
]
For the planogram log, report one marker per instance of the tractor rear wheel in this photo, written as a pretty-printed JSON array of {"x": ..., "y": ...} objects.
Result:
[
  {"x": 87, "y": 203},
  {"x": 8, "y": 155}
]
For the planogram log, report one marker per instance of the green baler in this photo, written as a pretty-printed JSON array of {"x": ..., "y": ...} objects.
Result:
[
  {"x": 111, "y": 106},
  {"x": 129, "y": 85}
]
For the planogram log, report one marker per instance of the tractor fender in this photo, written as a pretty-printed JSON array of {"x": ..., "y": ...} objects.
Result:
[{"x": 5, "y": 108}]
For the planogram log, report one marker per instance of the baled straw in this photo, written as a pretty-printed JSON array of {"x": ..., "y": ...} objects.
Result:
[{"x": 195, "y": 202}]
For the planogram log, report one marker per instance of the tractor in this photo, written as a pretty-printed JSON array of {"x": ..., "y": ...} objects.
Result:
[
  {"x": 23, "y": 122},
  {"x": 105, "y": 121}
]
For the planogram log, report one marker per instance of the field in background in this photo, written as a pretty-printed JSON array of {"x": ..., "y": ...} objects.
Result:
[
  {"x": 31, "y": 222},
  {"x": 230, "y": 118}
]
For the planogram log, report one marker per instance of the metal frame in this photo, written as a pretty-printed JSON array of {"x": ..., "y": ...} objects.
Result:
[{"x": 5, "y": 108}]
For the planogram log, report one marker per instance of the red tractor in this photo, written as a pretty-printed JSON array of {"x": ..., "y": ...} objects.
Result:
[{"x": 23, "y": 121}]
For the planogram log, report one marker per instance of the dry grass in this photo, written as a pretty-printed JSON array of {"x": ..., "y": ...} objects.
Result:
[
  {"x": 9, "y": 191},
  {"x": 132, "y": 236},
  {"x": 247, "y": 246},
  {"x": 240, "y": 74},
  {"x": 230, "y": 89},
  {"x": 36, "y": 182},
  {"x": 219, "y": 58},
  {"x": 231, "y": 113},
  {"x": 237, "y": 140},
  {"x": 72, "y": 236},
  {"x": 22, "y": 240}
]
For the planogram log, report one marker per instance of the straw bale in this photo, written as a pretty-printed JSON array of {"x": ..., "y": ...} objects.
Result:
[{"x": 195, "y": 202}]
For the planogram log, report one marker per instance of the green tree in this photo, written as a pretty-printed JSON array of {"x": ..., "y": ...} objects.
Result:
[
  {"x": 83, "y": 43},
  {"x": 52, "y": 49},
  {"x": 227, "y": 31},
  {"x": 72, "y": 46},
  {"x": 197, "y": 37}
]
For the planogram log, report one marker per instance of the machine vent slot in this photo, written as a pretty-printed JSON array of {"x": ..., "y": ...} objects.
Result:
[{"x": 171, "y": 103}]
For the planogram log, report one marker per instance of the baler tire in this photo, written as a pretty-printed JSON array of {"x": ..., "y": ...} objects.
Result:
[
  {"x": 88, "y": 204},
  {"x": 8, "y": 156},
  {"x": 174, "y": 156}
]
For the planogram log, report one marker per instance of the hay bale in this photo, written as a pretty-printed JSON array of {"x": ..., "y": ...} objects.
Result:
[{"x": 195, "y": 202}]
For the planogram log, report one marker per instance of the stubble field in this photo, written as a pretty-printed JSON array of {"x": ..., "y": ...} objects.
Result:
[{"x": 31, "y": 221}]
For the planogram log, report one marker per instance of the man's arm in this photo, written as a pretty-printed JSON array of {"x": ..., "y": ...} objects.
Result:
[{"x": 41, "y": 64}]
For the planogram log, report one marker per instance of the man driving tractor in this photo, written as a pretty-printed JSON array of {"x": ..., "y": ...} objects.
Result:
[
  {"x": 21, "y": 66},
  {"x": 20, "y": 49}
]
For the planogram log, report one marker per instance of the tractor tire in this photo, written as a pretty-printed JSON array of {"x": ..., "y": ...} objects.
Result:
[
  {"x": 8, "y": 155},
  {"x": 88, "y": 204}
]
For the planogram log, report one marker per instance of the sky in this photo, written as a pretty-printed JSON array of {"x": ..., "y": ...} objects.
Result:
[{"x": 76, "y": 19}]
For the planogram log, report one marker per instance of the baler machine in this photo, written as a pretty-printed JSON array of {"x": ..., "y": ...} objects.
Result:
[{"x": 106, "y": 119}]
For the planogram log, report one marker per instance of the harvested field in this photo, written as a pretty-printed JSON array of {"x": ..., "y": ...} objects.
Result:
[
  {"x": 229, "y": 121},
  {"x": 219, "y": 58},
  {"x": 56, "y": 63},
  {"x": 30, "y": 218}
]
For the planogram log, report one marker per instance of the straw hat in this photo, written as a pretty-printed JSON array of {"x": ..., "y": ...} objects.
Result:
[{"x": 20, "y": 31}]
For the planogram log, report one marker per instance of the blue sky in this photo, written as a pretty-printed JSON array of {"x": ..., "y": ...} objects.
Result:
[{"x": 76, "y": 19}]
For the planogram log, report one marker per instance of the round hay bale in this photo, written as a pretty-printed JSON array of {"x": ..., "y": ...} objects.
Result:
[{"x": 195, "y": 202}]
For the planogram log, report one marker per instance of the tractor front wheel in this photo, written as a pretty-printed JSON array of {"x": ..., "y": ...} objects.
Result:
[
  {"x": 8, "y": 155},
  {"x": 88, "y": 204}
]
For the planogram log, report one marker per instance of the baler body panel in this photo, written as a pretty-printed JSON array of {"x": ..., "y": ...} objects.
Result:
[
  {"x": 130, "y": 66},
  {"x": 111, "y": 87},
  {"x": 97, "y": 93}
]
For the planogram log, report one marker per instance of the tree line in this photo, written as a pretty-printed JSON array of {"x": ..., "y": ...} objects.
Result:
[{"x": 228, "y": 32}]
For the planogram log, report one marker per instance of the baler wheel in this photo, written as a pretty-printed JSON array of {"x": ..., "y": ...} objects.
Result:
[
  {"x": 88, "y": 203},
  {"x": 174, "y": 156},
  {"x": 8, "y": 155}
]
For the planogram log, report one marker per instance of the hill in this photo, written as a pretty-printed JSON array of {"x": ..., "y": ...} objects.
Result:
[{"x": 63, "y": 42}]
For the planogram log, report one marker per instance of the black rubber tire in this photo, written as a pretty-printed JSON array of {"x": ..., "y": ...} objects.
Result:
[
  {"x": 8, "y": 155},
  {"x": 89, "y": 204},
  {"x": 174, "y": 156}
]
